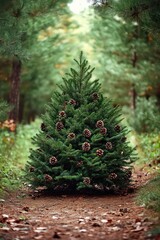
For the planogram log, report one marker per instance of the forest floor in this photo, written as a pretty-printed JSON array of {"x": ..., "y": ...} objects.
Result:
[{"x": 74, "y": 217}]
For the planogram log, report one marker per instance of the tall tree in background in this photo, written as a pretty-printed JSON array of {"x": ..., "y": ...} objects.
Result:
[
  {"x": 10, "y": 35},
  {"x": 147, "y": 14},
  {"x": 52, "y": 36},
  {"x": 15, "y": 19},
  {"x": 127, "y": 47},
  {"x": 44, "y": 31}
]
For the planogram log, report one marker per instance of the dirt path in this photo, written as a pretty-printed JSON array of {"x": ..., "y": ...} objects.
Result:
[{"x": 75, "y": 217}]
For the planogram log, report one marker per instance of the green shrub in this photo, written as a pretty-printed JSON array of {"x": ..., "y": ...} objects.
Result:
[
  {"x": 4, "y": 109},
  {"x": 149, "y": 195},
  {"x": 14, "y": 151},
  {"x": 149, "y": 152},
  {"x": 149, "y": 147},
  {"x": 146, "y": 116}
]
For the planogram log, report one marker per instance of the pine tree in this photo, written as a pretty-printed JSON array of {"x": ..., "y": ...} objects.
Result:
[
  {"x": 82, "y": 143},
  {"x": 21, "y": 22}
]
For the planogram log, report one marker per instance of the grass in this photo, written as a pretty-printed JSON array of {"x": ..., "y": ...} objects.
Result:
[
  {"x": 149, "y": 195},
  {"x": 149, "y": 148},
  {"x": 14, "y": 151},
  {"x": 149, "y": 153}
]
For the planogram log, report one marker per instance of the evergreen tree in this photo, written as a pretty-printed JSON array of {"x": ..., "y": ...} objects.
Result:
[
  {"x": 146, "y": 12},
  {"x": 126, "y": 46},
  {"x": 21, "y": 21},
  {"x": 81, "y": 143}
]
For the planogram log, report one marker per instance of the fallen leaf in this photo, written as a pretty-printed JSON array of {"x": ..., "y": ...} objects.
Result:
[
  {"x": 96, "y": 225},
  {"x": 38, "y": 237},
  {"x": 82, "y": 230},
  {"x": 138, "y": 229},
  {"x": 56, "y": 235},
  {"x": 5, "y": 228},
  {"x": 5, "y": 216},
  {"x": 40, "y": 229},
  {"x": 104, "y": 220},
  {"x": 25, "y": 208},
  {"x": 20, "y": 229},
  {"x": 124, "y": 210},
  {"x": 109, "y": 220},
  {"x": 137, "y": 220},
  {"x": 114, "y": 229}
]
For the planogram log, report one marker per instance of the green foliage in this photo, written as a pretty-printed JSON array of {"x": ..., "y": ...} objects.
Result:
[
  {"x": 4, "y": 109},
  {"x": 129, "y": 50},
  {"x": 149, "y": 148},
  {"x": 14, "y": 150},
  {"x": 145, "y": 11},
  {"x": 49, "y": 39},
  {"x": 146, "y": 116},
  {"x": 25, "y": 33},
  {"x": 15, "y": 17},
  {"x": 149, "y": 195},
  {"x": 149, "y": 155},
  {"x": 81, "y": 143},
  {"x": 46, "y": 29}
]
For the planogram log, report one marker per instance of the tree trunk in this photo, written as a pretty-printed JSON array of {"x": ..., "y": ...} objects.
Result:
[
  {"x": 134, "y": 97},
  {"x": 21, "y": 108},
  {"x": 133, "y": 90},
  {"x": 14, "y": 89}
]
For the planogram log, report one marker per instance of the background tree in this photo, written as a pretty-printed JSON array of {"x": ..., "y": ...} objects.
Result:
[
  {"x": 16, "y": 28},
  {"x": 127, "y": 47},
  {"x": 146, "y": 13}
]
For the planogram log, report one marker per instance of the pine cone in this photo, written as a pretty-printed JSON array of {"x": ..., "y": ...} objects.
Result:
[
  {"x": 117, "y": 128},
  {"x": 72, "y": 102},
  {"x": 86, "y": 180},
  {"x": 48, "y": 178},
  {"x": 95, "y": 96},
  {"x": 71, "y": 136},
  {"x": 52, "y": 160},
  {"x": 99, "y": 124},
  {"x": 103, "y": 130},
  {"x": 62, "y": 114},
  {"x": 99, "y": 152},
  {"x": 43, "y": 127},
  {"x": 59, "y": 126},
  {"x": 87, "y": 133},
  {"x": 108, "y": 145},
  {"x": 86, "y": 146},
  {"x": 112, "y": 176}
]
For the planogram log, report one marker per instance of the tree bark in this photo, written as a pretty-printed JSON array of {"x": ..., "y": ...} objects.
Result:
[
  {"x": 133, "y": 90},
  {"x": 134, "y": 59},
  {"x": 15, "y": 89},
  {"x": 134, "y": 97}
]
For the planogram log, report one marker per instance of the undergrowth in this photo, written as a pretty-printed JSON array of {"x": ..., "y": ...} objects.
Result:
[
  {"x": 149, "y": 195},
  {"x": 149, "y": 151},
  {"x": 148, "y": 146},
  {"x": 14, "y": 151}
]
